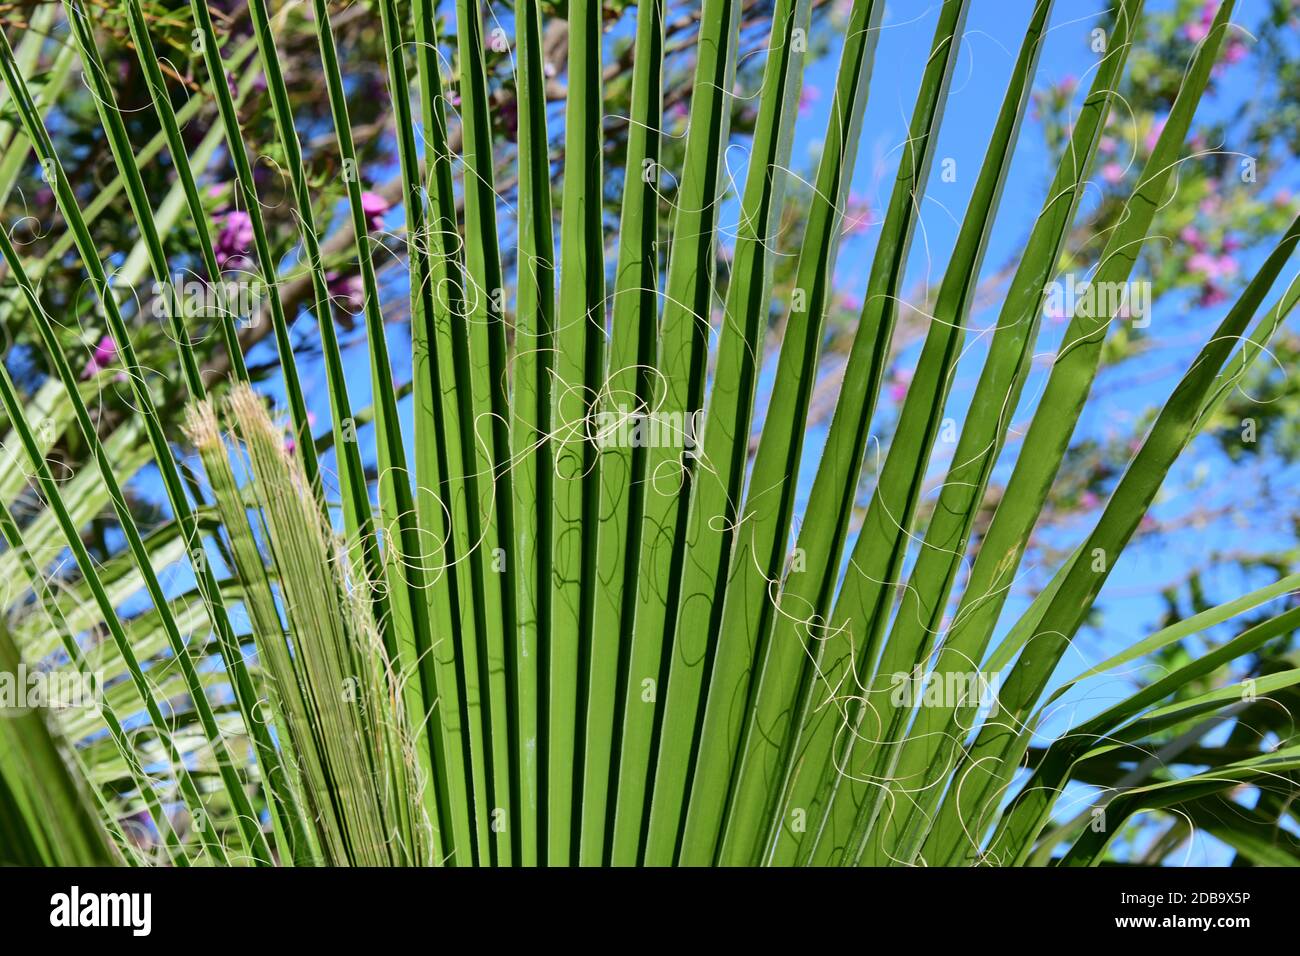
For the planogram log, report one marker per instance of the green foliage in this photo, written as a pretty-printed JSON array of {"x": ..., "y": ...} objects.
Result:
[{"x": 547, "y": 611}]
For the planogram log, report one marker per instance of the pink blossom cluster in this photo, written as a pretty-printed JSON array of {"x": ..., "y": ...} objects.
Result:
[
  {"x": 1211, "y": 268},
  {"x": 102, "y": 357}
]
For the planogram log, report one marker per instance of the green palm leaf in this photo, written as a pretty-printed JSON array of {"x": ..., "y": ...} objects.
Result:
[{"x": 537, "y": 604}]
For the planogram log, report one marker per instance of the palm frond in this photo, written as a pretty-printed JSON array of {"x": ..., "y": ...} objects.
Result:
[{"x": 556, "y": 599}]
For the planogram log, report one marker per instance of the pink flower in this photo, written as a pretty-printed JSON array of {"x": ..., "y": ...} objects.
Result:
[
  {"x": 1064, "y": 87},
  {"x": 235, "y": 238},
  {"x": 347, "y": 291},
  {"x": 374, "y": 206},
  {"x": 1112, "y": 172},
  {"x": 857, "y": 215},
  {"x": 1204, "y": 263},
  {"x": 848, "y": 302},
  {"x": 103, "y": 356},
  {"x": 1196, "y": 32},
  {"x": 1088, "y": 499},
  {"x": 1153, "y": 137},
  {"x": 290, "y": 439},
  {"x": 1192, "y": 236},
  {"x": 898, "y": 384},
  {"x": 1213, "y": 267},
  {"x": 1234, "y": 51},
  {"x": 1107, "y": 145},
  {"x": 808, "y": 95},
  {"x": 1211, "y": 294}
]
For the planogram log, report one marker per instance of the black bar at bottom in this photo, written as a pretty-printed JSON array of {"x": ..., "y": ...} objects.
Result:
[{"x": 648, "y": 906}]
